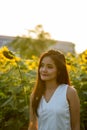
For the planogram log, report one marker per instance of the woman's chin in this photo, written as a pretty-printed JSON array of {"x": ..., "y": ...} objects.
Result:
[{"x": 43, "y": 78}]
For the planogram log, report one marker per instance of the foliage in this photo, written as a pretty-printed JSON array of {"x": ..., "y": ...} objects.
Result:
[
  {"x": 77, "y": 67},
  {"x": 17, "y": 78},
  {"x": 34, "y": 44},
  {"x": 16, "y": 82}
]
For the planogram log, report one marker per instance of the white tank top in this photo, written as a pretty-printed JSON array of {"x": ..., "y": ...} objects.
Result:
[{"x": 55, "y": 115}]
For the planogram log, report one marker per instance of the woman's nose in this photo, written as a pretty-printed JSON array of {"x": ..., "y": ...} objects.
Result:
[{"x": 44, "y": 68}]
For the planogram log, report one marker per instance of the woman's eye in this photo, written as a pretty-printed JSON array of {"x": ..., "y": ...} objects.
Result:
[
  {"x": 42, "y": 65},
  {"x": 50, "y": 67},
  {"x": 47, "y": 66}
]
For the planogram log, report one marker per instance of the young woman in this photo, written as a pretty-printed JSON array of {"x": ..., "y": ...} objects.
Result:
[{"x": 54, "y": 104}]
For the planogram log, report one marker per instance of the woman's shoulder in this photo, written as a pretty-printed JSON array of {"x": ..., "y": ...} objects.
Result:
[
  {"x": 71, "y": 92},
  {"x": 71, "y": 89}
]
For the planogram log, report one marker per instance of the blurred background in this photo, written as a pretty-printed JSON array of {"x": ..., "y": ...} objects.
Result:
[
  {"x": 28, "y": 28},
  {"x": 65, "y": 20}
]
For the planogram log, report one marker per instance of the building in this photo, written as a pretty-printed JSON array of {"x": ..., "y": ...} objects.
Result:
[
  {"x": 5, "y": 39},
  {"x": 65, "y": 47}
]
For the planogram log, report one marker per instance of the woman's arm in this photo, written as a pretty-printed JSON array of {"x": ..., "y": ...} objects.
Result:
[
  {"x": 74, "y": 103},
  {"x": 33, "y": 119}
]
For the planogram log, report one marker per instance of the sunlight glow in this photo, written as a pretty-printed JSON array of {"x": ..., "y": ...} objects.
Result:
[{"x": 64, "y": 19}]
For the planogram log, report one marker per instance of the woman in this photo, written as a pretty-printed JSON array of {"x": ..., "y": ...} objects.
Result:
[{"x": 54, "y": 104}]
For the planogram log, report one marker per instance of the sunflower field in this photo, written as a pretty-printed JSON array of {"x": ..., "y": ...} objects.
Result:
[{"x": 17, "y": 78}]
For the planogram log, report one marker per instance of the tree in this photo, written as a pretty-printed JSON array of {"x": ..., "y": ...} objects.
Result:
[{"x": 29, "y": 45}]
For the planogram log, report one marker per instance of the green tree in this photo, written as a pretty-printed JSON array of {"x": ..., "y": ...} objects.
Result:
[{"x": 29, "y": 45}]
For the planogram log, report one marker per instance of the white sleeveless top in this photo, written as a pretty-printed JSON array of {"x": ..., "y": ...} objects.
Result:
[{"x": 55, "y": 115}]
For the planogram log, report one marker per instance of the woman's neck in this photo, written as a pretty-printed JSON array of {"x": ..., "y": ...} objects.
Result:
[{"x": 51, "y": 85}]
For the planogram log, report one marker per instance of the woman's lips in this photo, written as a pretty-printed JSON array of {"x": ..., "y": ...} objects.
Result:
[{"x": 44, "y": 75}]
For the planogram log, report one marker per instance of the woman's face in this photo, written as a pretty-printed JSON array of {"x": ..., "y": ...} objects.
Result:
[{"x": 48, "y": 70}]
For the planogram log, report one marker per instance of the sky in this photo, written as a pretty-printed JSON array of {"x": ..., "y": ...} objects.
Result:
[{"x": 65, "y": 20}]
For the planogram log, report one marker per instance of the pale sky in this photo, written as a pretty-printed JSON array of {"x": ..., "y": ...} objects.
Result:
[{"x": 65, "y": 20}]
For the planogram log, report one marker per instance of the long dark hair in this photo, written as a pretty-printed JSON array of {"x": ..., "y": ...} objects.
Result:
[{"x": 62, "y": 76}]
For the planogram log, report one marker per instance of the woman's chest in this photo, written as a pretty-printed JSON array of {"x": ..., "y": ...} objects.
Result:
[{"x": 56, "y": 105}]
